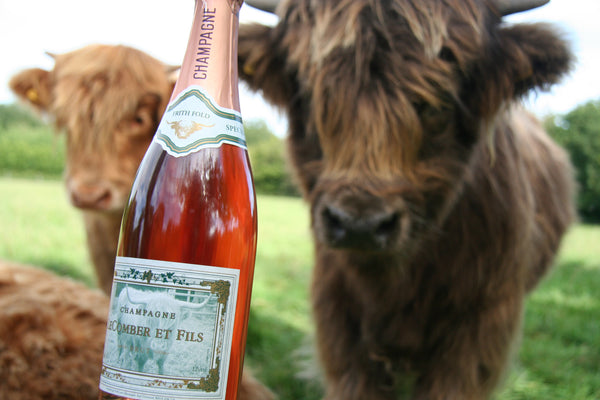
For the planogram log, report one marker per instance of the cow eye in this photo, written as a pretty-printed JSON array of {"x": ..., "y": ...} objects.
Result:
[
  {"x": 421, "y": 107},
  {"x": 140, "y": 123},
  {"x": 145, "y": 118},
  {"x": 139, "y": 120},
  {"x": 446, "y": 54}
]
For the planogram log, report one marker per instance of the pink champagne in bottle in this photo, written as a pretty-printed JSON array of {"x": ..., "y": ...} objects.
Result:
[{"x": 183, "y": 275}]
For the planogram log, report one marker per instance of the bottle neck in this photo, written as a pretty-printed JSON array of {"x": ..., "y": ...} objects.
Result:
[{"x": 210, "y": 59}]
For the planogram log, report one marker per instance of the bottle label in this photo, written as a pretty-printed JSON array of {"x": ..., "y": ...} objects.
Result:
[
  {"x": 194, "y": 121},
  {"x": 169, "y": 330}
]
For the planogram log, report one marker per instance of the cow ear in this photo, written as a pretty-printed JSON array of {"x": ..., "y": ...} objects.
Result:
[
  {"x": 522, "y": 57},
  {"x": 262, "y": 63},
  {"x": 172, "y": 72},
  {"x": 33, "y": 86}
]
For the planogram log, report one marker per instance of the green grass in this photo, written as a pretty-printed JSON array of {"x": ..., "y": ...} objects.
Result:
[
  {"x": 39, "y": 227},
  {"x": 560, "y": 352}
]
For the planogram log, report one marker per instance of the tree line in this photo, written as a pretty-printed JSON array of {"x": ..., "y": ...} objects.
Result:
[
  {"x": 578, "y": 131},
  {"x": 30, "y": 148}
]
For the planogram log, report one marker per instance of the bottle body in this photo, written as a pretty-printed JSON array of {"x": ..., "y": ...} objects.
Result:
[
  {"x": 183, "y": 275},
  {"x": 208, "y": 223}
]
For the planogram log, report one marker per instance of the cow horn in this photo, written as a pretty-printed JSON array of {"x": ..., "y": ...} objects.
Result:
[
  {"x": 507, "y": 7},
  {"x": 265, "y": 5}
]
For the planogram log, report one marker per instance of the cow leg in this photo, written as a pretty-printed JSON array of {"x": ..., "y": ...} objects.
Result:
[
  {"x": 350, "y": 373},
  {"x": 102, "y": 232},
  {"x": 356, "y": 377},
  {"x": 472, "y": 357},
  {"x": 252, "y": 389}
]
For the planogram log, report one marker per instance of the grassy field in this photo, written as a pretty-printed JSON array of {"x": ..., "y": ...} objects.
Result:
[{"x": 560, "y": 352}]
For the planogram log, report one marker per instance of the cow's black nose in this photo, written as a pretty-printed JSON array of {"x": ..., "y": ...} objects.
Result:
[{"x": 365, "y": 229}]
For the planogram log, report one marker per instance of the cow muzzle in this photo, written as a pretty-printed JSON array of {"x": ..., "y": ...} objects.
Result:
[
  {"x": 91, "y": 196},
  {"x": 358, "y": 220}
]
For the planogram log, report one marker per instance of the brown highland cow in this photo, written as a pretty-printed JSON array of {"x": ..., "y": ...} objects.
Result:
[{"x": 437, "y": 202}]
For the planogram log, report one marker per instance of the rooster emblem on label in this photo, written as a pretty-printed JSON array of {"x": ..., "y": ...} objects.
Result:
[{"x": 183, "y": 132}]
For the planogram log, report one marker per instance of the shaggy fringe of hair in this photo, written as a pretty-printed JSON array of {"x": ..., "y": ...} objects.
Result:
[{"x": 84, "y": 78}]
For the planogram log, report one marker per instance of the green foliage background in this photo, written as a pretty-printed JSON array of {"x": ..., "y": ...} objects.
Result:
[
  {"x": 267, "y": 156},
  {"x": 579, "y": 132},
  {"x": 30, "y": 148}
]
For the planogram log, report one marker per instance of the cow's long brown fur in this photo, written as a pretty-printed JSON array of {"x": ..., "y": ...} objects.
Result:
[
  {"x": 51, "y": 335},
  {"x": 411, "y": 108}
]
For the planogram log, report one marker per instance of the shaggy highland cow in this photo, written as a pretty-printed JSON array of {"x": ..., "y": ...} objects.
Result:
[{"x": 437, "y": 202}]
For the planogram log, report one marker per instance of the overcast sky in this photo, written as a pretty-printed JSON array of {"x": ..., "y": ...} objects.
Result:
[{"x": 29, "y": 28}]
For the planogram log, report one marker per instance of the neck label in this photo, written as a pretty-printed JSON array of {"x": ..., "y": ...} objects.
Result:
[{"x": 194, "y": 121}]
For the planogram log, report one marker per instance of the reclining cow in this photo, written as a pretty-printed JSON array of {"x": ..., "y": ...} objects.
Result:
[
  {"x": 52, "y": 333},
  {"x": 437, "y": 202}
]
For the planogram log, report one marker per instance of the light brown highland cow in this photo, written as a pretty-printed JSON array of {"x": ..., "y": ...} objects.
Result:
[
  {"x": 437, "y": 202},
  {"x": 108, "y": 100}
]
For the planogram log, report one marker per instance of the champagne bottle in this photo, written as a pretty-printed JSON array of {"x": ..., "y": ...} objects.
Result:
[{"x": 183, "y": 275}]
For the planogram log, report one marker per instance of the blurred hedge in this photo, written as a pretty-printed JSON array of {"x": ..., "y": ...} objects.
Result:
[
  {"x": 30, "y": 148},
  {"x": 267, "y": 155},
  {"x": 578, "y": 131}
]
